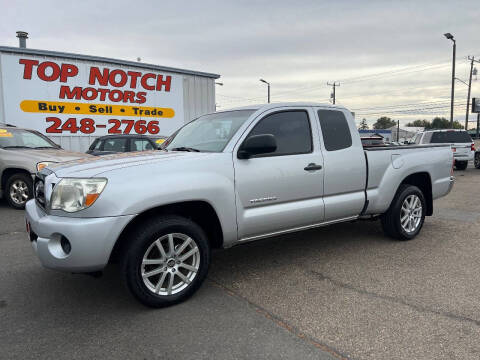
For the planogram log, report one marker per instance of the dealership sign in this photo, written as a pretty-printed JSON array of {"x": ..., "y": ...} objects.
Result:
[
  {"x": 475, "y": 105},
  {"x": 88, "y": 98}
]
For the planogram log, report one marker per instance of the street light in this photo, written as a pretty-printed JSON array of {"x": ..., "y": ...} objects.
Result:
[
  {"x": 268, "y": 88},
  {"x": 450, "y": 37}
]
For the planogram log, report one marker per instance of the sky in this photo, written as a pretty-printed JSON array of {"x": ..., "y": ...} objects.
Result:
[{"x": 390, "y": 57}]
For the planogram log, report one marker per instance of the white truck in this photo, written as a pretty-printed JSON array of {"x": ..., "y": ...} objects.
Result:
[
  {"x": 461, "y": 143},
  {"x": 224, "y": 179}
]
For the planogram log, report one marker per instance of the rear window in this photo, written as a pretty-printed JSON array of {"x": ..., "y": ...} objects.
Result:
[{"x": 439, "y": 137}]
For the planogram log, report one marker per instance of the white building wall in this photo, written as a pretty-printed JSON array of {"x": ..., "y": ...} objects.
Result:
[
  {"x": 198, "y": 91},
  {"x": 198, "y": 96}
]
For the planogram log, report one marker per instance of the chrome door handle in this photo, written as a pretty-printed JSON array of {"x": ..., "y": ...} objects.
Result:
[{"x": 312, "y": 166}]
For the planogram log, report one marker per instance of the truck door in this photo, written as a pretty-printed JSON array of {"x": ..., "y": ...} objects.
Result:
[
  {"x": 345, "y": 171},
  {"x": 282, "y": 190}
]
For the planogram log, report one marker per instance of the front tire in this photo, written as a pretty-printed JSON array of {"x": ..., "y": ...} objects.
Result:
[
  {"x": 18, "y": 190},
  {"x": 406, "y": 215},
  {"x": 166, "y": 261},
  {"x": 461, "y": 165},
  {"x": 477, "y": 160}
]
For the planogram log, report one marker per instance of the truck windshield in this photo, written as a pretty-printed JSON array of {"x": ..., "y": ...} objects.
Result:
[
  {"x": 209, "y": 133},
  {"x": 450, "y": 137},
  {"x": 17, "y": 138}
]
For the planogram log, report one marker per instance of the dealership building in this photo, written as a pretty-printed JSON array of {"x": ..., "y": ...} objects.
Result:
[{"x": 74, "y": 98}]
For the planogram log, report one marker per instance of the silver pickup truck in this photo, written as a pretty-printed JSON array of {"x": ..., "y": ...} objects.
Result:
[{"x": 224, "y": 179}]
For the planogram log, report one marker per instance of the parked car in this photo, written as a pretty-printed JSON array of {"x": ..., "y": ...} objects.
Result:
[
  {"x": 23, "y": 152},
  {"x": 111, "y": 144},
  {"x": 476, "y": 161},
  {"x": 462, "y": 144},
  {"x": 373, "y": 141},
  {"x": 224, "y": 179}
]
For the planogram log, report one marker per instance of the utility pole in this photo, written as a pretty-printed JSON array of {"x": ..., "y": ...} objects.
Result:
[
  {"x": 450, "y": 37},
  {"x": 472, "y": 60},
  {"x": 334, "y": 85}
]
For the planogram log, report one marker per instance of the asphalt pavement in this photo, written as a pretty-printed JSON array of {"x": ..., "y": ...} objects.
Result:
[{"x": 344, "y": 291}]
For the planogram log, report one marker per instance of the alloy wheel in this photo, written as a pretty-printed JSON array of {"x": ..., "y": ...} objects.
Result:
[
  {"x": 170, "y": 264},
  {"x": 411, "y": 213},
  {"x": 19, "y": 192}
]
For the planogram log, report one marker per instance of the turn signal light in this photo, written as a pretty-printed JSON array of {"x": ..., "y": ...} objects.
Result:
[{"x": 90, "y": 199}]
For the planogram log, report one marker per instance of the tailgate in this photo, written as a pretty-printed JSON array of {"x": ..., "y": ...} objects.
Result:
[{"x": 461, "y": 149}]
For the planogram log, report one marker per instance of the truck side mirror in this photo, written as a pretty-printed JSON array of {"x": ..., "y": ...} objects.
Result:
[{"x": 257, "y": 144}]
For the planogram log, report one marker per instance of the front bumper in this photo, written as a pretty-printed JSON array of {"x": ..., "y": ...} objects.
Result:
[{"x": 91, "y": 239}]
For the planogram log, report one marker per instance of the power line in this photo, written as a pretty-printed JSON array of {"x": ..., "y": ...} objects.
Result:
[{"x": 407, "y": 70}]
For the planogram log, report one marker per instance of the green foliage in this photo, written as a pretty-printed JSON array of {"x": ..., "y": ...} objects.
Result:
[
  {"x": 436, "y": 123},
  {"x": 363, "y": 124},
  {"x": 384, "y": 123},
  {"x": 420, "y": 123}
]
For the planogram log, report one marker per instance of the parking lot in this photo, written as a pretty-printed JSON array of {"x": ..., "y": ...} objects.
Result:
[{"x": 344, "y": 291}]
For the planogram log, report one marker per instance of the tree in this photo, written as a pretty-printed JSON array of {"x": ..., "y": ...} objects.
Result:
[
  {"x": 421, "y": 123},
  {"x": 457, "y": 125},
  {"x": 363, "y": 124},
  {"x": 384, "y": 123},
  {"x": 436, "y": 123}
]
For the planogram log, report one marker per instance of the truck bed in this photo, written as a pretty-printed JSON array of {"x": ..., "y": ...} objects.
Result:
[{"x": 387, "y": 166}]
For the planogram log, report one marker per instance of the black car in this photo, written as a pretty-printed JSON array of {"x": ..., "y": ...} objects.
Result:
[{"x": 111, "y": 144}]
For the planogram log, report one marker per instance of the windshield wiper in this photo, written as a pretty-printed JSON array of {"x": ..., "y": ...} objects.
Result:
[
  {"x": 16, "y": 147},
  {"x": 45, "y": 147},
  {"x": 185, "y": 148}
]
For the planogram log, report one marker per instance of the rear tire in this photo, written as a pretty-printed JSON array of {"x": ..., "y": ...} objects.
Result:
[
  {"x": 406, "y": 215},
  {"x": 18, "y": 190},
  {"x": 477, "y": 160},
  {"x": 461, "y": 165},
  {"x": 156, "y": 265}
]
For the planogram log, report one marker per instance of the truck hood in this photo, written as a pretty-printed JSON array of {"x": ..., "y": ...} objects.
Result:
[
  {"x": 49, "y": 155},
  {"x": 97, "y": 165}
]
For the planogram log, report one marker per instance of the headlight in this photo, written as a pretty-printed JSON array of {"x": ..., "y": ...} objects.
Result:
[
  {"x": 72, "y": 195},
  {"x": 43, "y": 164}
]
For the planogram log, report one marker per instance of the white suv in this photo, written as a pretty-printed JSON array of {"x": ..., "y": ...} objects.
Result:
[{"x": 462, "y": 144}]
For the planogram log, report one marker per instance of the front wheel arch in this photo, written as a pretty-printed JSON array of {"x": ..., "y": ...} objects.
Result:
[{"x": 200, "y": 212}]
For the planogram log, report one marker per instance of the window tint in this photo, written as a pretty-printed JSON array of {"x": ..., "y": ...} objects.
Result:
[
  {"x": 116, "y": 145},
  {"x": 335, "y": 130},
  {"x": 418, "y": 137},
  {"x": 439, "y": 137},
  {"x": 140, "y": 145},
  {"x": 291, "y": 130}
]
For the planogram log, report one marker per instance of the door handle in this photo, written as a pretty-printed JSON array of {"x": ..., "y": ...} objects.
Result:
[{"x": 312, "y": 166}]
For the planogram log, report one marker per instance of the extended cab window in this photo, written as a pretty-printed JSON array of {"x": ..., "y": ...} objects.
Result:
[
  {"x": 335, "y": 130},
  {"x": 291, "y": 130}
]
